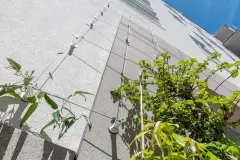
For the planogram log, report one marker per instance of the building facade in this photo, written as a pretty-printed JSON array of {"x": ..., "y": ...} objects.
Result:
[
  {"x": 81, "y": 45},
  {"x": 229, "y": 36}
]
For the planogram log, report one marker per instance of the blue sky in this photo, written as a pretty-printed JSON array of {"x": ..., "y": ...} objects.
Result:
[{"x": 209, "y": 14}]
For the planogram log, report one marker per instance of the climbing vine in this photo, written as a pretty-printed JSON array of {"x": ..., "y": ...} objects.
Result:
[
  {"x": 28, "y": 91},
  {"x": 183, "y": 117}
]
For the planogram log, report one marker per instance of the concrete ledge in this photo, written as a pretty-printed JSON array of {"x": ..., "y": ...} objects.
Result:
[{"x": 17, "y": 144}]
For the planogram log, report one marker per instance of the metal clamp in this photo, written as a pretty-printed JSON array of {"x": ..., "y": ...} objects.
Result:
[
  {"x": 127, "y": 41},
  {"x": 114, "y": 126},
  {"x": 27, "y": 92},
  {"x": 72, "y": 47},
  {"x": 91, "y": 25},
  {"x": 101, "y": 12}
]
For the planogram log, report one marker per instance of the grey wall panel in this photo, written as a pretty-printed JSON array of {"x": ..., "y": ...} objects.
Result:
[
  {"x": 212, "y": 84},
  {"x": 132, "y": 71},
  {"x": 140, "y": 30},
  {"x": 119, "y": 47},
  {"x": 103, "y": 101},
  {"x": 183, "y": 55},
  {"x": 20, "y": 145},
  {"x": 125, "y": 21},
  {"x": 140, "y": 37},
  {"x": 224, "y": 91},
  {"x": 123, "y": 27},
  {"x": 231, "y": 86},
  {"x": 115, "y": 62},
  {"x": 166, "y": 46},
  {"x": 100, "y": 144},
  {"x": 121, "y": 35},
  {"x": 91, "y": 152},
  {"x": 137, "y": 56},
  {"x": 142, "y": 47},
  {"x": 173, "y": 60}
]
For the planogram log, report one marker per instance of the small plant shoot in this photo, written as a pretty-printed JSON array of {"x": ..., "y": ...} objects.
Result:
[{"x": 28, "y": 91}]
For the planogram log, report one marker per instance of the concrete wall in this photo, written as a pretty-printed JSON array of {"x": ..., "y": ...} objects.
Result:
[{"x": 32, "y": 33}]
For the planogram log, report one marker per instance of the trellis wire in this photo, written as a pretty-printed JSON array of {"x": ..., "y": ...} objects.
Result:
[{"x": 78, "y": 39}]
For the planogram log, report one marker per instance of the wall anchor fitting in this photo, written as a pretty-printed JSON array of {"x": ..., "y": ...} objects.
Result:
[{"x": 114, "y": 126}]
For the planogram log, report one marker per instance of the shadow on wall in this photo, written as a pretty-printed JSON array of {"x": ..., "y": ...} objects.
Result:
[
  {"x": 177, "y": 18},
  {"x": 215, "y": 44},
  {"x": 8, "y": 136},
  {"x": 201, "y": 45},
  {"x": 230, "y": 133},
  {"x": 205, "y": 49},
  {"x": 130, "y": 130},
  {"x": 11, "y": 110}
]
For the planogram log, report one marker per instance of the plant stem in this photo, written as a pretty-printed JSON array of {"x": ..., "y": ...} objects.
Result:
[
  {"x": 209, "y": 76},
  {"x": 222, "y": 83},
  {"x": 142, "y": 143},
  {"x": 225, "y": 80}
]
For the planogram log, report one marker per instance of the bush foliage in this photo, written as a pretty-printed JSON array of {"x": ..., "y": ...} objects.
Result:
[{"x": 185, "y": 119}]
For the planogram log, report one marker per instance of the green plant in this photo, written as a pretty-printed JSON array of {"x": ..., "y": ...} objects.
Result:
[
  {"x": 176, "y": 94},
  {"x": 29, "y": 92}
]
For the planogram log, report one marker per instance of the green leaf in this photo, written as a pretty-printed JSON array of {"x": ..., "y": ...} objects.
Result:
[
  {"x": 209, "y": 145},
  {"x": 81, "y": 93},
  {"x": 71, "y": 122},
  {"x": 234, "y": 73},
  {"x": 57, "y": 117},
  {"x": 136, "y": 155},
  {"x": 10, "y": 92},
  {"x": 146, "y": 126},
  {"x": 236, "y": 93},
  {"x": 233, "y": 150},
  {"x": 212, "y": 156},
  {"x": 14, "y": 64},
  {"x": 48, "y": 124},
  {"x": 142, "y": 133},
  {"x": 14, "y": 94},
  {"x": 88, "y": 122},
  {"x": 29, "y": 112},
  {"x": 31, "y": 99},
  {"x": 180, "y": 139},
  {"x": 67, "y": 123},
  {"x": 2, "y": 92},
  {"x": 190, "y": 102},
  {"x": 176, "y": 156},
  {"x": 40, "y": 95},
  {"x": 27, "y": 80},
  {"x": 63, "y": 129},
  {"x": 50, "y": 102},
  {"x": 179, "y": 104}
]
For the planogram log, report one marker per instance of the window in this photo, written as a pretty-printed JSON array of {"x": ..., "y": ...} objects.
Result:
[{"x": 144, "y": 7}]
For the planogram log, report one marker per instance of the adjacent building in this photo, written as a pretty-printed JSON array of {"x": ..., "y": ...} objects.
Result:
[{"x": 230, "y": 38}]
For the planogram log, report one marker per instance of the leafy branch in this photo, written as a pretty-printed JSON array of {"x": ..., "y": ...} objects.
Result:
[
  {"x": 187, "y": 111},
  {"x": 28, "y": 91}
]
